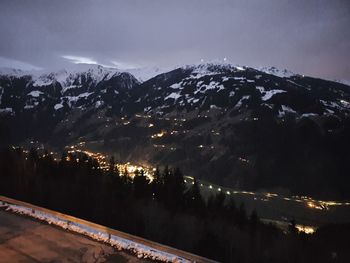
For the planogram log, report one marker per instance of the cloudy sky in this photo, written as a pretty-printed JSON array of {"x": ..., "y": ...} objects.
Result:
[{"x": 305, "y": 36}]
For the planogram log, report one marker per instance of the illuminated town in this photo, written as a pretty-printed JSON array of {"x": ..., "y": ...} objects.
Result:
[{"x": 132, "y": 169}]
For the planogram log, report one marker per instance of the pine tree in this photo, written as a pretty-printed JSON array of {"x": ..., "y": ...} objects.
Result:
[
  {"x": 179, "y": 184},
  {"x": 141, "y": 185},
  {"x": 126, "y": 177},
  {"x": 254, "y": 217},
  {"x": 219, "y": 201},
  {"x": 111, "y": 165},
  {"x": 174, "y": 187},
  {"x": 157, "y": 184},
  {"x": 292, "y": 226},
  {"x": 242, "y": 214},
  {"x": 194, "y": 198},
  {"x": 253, "y": 220}
]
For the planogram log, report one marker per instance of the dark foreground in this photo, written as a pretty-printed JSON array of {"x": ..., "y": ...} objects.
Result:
[
  {"x": 25, "y": 240},
  {"x": 163, "y": 210}
]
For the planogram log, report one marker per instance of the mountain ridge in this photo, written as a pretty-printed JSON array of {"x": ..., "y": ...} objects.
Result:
[{"x": 232, "y": 125}]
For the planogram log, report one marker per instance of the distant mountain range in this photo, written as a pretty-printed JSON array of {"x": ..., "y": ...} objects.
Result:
[{"x": 238, "y": 126}]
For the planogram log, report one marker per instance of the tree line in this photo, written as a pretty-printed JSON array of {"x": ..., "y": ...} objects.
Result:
[{"x": 164, "y": 210}]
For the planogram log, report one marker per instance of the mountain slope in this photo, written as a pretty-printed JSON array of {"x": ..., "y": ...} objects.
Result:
[{"x": 237, "y": 126}]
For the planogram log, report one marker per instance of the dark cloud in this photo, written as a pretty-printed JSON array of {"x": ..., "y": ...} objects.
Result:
[{"x": 309, "y": 37}]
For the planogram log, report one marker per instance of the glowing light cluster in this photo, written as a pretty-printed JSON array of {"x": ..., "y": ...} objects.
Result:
[
  {"x": 158, "y": 135},
  {"x": 306, "y": 229},
  {"x": 131, "y": 170}
]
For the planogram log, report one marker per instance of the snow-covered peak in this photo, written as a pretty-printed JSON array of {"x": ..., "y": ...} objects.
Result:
[
  {"x": 282, "y": 73},
  {"x": 343, "y": 81},
  {"x": 97, "y": 73},
  {"x": 212, "y": 68},
  {"x": 16, "y": 72},
  {"x": 65, "y": 76},
  {"x": 146, "y": 73}
]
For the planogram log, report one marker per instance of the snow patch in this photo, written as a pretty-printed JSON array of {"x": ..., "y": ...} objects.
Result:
[
  {"x": 176, "y": 86},
  {"x": 28, "y": 107},
  {"x": 98, "y": 104},
  {"x": 6, "y": 110},
  {"x": 173, "y": 95},
  {"x": 269, "y": 93},
  {"x": 285, "y": 110},
  {"x": 239, "y": 103},
  {"x": 284, "y": 73},
  {"x": 261, "y": 89},
  {"x": 58, "y": 106},
  {"x": 35, "y": 93},
  {"x": 307, "y": 115}
]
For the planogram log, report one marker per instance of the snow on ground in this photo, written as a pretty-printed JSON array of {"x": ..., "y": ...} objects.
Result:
[
  {"x": 282, "y": 73},
  {"x": 173, "y": 95},
  {"x": 239, "y": 103},
  {"x": 43, "y": 80},
  {"x": 146, "y": 73},
  {"x": 261, "y": 89},
  {"x": 211, "y": 86},
  {"x": 35, "y": 93},
  {"x": 269, "y": 93},
  {"x": 334, "y": 105},
  {"x": 211, "y": 68},
  {"x": 98, "y": 104},
  {"x": 140, "y": 250},
  {"x": 68, "y": 88},
  {"x": 27, "y": 107},
  {"x": 176, "y": 86},
  {"x": 306, "y": 115},
  {"x": 285, "y": 110},
  {"x": 73, "y": 99},
  {"x": 6, "y": 110},
  {"x": 58, "y": 106}
]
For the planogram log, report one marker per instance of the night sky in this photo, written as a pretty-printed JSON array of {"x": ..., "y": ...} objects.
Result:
[{"x": 310, "y": 37}]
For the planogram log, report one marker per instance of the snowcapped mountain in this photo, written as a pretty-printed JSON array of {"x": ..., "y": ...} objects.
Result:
[
  {"x": 225, "y": 87},
  {"x": 64, "y": 88},
  {"x": 146, "y": 73},
  {"x": 241, "y": 126},
  {"x": 277, "y": 72},
  {"x": 219, "y": 86}
]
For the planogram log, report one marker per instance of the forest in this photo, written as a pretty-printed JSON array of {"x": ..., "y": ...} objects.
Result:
[{"x": 163, "y": 210}]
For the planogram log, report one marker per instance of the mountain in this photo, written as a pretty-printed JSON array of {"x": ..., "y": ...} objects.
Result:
[{"x": 236, "y": 126}]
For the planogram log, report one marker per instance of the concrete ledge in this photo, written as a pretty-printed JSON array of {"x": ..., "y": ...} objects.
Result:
[{"x": 106, "y": 234}]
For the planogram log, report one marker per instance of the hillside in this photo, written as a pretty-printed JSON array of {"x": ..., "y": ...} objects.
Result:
[{"x": 236, "y": 126}]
